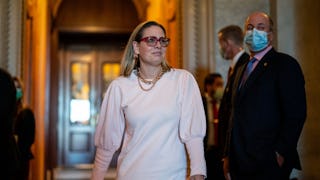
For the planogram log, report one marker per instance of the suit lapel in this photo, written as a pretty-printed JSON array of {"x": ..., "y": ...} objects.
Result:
[
  {"x": 261, "y": 67},
  {"x": 237, "y": 80},
  {"x": 244, "y": 58}
]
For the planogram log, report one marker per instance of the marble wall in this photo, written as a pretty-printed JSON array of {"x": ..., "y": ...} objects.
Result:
[{"x": 3, "y": 34}]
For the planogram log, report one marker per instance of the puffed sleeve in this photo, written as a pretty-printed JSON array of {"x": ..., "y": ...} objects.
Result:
[
  {"x": 192, "y": 123},
  {"x": 109, "y": 130}
]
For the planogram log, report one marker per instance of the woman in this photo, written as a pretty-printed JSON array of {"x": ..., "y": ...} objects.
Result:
[
  {"x": 24, "y": 130},
  {"x": 152, "y": 112}
]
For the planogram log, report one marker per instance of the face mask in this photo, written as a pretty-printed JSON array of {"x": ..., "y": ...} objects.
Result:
[
  {"x": 218, "y": 93},
  {"x": 18, "y": 93},
  {"x": 256, "y": 40}
]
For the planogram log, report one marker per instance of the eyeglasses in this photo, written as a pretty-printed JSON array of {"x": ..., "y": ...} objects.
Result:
[{"x": 152, "y": 41}]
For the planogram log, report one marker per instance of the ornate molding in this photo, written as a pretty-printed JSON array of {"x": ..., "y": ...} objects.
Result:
[
  {"x": 11, "y": 15},
  {"x": 4, "y": 34},
  {"x": 15, "y": 36},
  {"x": 197, "y": 37}
]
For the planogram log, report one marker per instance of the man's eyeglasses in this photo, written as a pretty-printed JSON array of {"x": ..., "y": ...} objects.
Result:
[{"x": 152, "y": 41}]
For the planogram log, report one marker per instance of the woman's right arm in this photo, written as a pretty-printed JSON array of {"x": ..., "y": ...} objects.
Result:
[
  {"x": 109, "y": 131},
  {"x": 101, "y": 163}
]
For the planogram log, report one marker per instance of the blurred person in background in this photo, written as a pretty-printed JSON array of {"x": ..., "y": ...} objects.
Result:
[
  {"x": 8, "y": 151},
  {"x": 231, "y": 49},
  {"x": 24, "y": 130},
  {"x": 213, "y": 92}
]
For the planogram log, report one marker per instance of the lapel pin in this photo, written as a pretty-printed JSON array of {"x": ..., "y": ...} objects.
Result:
[{"x": 265, "y": 64}]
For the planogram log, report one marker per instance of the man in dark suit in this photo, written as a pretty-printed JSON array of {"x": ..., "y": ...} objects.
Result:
[
  {"x": 269, "y": 109},
  {"x": 231, "y": 48}
]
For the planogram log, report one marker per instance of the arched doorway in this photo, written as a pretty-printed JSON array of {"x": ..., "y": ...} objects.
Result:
[{"x": 88, "y": 38}]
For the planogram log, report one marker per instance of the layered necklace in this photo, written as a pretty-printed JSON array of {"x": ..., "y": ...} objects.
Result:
[{"x": 151, "y": 83}]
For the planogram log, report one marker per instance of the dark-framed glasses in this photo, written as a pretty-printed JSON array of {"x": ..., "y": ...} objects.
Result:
[{"x": 152, "y": 41}]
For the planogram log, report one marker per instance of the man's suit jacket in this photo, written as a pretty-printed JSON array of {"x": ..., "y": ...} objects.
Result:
[
  {"x": 225, "y": 106},
  {"x": 269, "y": 111},
  {"x": 205, "y": 107}
]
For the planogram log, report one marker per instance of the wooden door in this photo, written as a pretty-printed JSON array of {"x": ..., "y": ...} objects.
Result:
[{"x": 85, "y": 72}]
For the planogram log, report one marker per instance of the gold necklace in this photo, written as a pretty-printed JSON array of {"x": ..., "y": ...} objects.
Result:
[{"x": 153, "y": 81}]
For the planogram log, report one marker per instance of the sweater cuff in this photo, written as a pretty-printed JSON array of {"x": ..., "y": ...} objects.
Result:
[
  {"x": 101, "y": 164},
  {"x": 196, "y": 156}
]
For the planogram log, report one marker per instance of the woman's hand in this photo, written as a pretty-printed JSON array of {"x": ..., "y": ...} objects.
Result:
[{"x": 197, "y": 177}]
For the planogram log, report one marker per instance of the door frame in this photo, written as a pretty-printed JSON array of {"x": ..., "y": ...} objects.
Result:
[{"x": 55, "y": 158}]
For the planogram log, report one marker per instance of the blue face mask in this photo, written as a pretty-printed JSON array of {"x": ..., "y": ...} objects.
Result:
[
  {"x": 256, "y": 40},
  {"x": 18, "y": 93}
]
